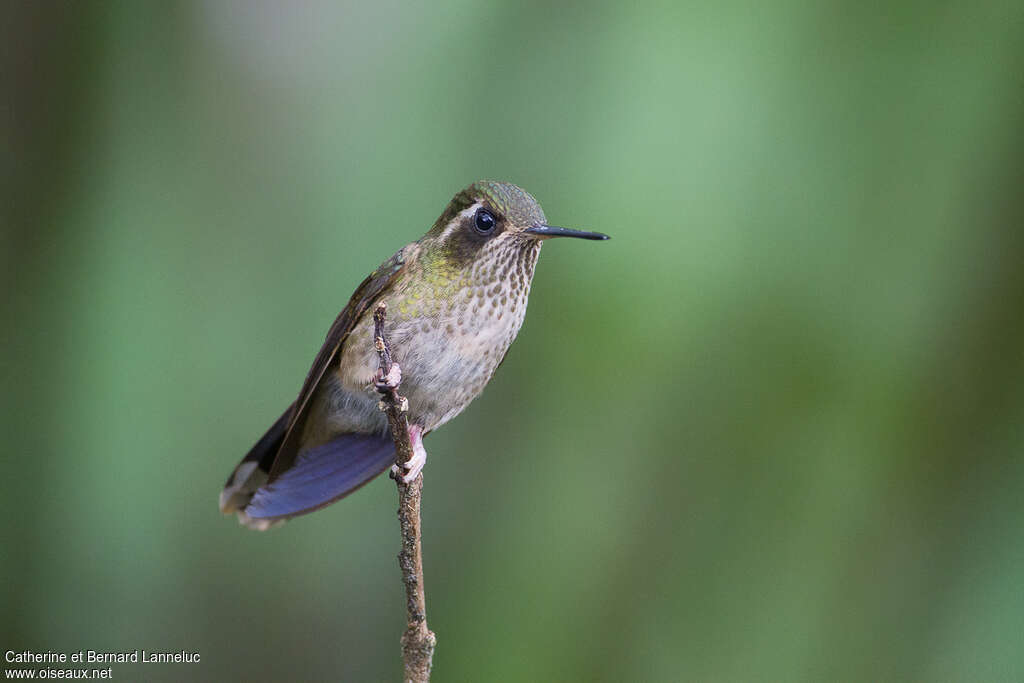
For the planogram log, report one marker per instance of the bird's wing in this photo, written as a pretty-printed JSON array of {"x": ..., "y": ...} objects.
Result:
[{"x": 365, "y": 296}]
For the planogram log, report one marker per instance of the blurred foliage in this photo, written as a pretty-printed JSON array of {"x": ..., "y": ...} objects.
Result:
[{"x": 772, "y": 430}]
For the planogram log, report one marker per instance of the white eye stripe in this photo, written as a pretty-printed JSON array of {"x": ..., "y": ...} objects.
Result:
[{"x": 455, "y": 222}]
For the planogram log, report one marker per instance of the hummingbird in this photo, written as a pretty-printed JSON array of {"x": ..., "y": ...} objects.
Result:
[{"x": 456, "y": 300}]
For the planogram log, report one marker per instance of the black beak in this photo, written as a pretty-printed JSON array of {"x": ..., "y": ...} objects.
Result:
[{"x": 546, "y": 231}]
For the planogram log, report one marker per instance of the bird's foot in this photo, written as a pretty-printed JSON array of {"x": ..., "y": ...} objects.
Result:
[
  {"x": 411, "y": 469},
  {"x": 389, "y": 382}
]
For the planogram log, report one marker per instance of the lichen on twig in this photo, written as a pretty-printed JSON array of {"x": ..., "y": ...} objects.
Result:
[{"x": 418, "y": 641}]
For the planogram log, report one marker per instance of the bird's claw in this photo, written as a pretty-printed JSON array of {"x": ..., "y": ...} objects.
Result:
[
  {"x": 390, "y": 382},
  {"x": 412, "y": 468}
]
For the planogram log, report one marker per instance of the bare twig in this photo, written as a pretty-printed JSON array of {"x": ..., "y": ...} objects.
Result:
[{"x": 418, "y": 641}]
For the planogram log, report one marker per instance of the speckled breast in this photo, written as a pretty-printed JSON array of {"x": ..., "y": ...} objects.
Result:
[{"x": 449, "y": 335}]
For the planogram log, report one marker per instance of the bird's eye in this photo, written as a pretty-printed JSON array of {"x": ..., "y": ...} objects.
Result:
[{"x": 484, "y": 221}]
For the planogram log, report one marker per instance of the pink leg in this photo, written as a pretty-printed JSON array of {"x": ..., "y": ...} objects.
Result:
[
  {"x": 412, "y": 468},
  {"x": 393, "y": 379}
]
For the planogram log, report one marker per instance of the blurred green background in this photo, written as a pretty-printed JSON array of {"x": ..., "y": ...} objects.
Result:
[{"x": 771, "y": 431}]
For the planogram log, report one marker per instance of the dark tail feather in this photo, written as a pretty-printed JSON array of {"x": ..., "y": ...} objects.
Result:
[
  {"x": 319, "y": 477},
  {"x": 252, "y": 472}
]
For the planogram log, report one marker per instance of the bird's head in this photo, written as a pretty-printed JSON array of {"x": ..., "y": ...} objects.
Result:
[{"x": 496, "y": 215}]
